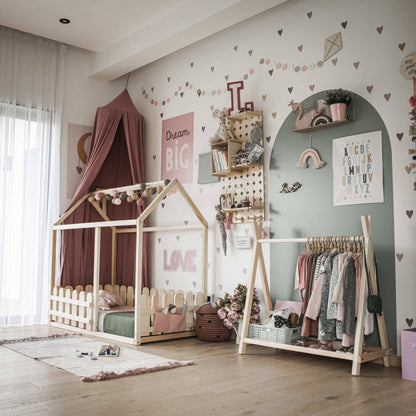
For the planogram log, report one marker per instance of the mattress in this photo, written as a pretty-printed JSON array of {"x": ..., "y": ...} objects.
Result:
[{"x": 118, "y": 321}]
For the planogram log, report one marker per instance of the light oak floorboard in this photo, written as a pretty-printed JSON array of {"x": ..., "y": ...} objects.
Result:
[{"x": 262, "y": 382}]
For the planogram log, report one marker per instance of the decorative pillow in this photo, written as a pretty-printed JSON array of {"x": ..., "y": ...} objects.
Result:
[{"x": 107, "y": 300}]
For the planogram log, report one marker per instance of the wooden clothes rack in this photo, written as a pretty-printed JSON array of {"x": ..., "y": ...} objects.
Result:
[{"x": 359, "y": 356}]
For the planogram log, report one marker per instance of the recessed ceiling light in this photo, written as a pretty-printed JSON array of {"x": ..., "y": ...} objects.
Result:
[{"x": 64, "y": 20}]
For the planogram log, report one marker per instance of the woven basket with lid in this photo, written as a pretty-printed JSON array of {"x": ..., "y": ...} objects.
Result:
[{"x": 209, "y": 327}]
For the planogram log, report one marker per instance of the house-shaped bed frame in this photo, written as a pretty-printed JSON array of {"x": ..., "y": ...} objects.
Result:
[{"x": 78, "y": 309}]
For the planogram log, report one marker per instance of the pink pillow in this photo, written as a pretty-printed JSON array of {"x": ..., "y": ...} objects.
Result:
[
  {"x": 103, "y": 304},
  {"x": 107, "y": 300}
]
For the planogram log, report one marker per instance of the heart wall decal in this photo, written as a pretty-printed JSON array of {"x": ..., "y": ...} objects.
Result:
[
  {"x": 409, "y": 213},
  {"x": 409, "y": 322},
  {"x": 399, "y": 256}
]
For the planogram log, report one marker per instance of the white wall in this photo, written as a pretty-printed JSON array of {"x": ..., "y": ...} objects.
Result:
[
  {"x": 256, "y": 51},
  {"x": 82, "y": 97}
]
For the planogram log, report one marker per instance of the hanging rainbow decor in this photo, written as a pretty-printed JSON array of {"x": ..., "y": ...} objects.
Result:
[{"x": 316, "y": 158}]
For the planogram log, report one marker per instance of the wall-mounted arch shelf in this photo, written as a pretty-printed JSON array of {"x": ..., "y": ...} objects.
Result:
[{"x": 323, "y": 126}]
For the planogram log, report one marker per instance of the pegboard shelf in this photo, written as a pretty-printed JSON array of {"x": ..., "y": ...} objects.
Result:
[
  {"x": 239, "y": 163},
  {"x": 245, "y": 115}
]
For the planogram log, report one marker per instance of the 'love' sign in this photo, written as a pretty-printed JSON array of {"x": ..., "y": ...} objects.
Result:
[{"x": 177, "y": 260}]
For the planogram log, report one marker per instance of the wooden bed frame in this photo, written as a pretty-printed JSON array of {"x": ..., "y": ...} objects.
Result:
[{"x": 77, "y": 309}]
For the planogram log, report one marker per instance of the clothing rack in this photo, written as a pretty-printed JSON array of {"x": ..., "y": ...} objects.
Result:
[{"x": 359, "y": 356}]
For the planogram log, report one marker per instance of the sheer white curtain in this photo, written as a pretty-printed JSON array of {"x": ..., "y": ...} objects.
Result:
[{"x": 31, "y": 97}]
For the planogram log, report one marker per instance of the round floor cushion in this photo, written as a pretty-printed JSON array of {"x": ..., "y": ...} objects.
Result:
[{"x": 209, "y": 327}]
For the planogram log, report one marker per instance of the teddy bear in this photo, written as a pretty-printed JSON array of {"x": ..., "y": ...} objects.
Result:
[{"x": 223, "y": 132}]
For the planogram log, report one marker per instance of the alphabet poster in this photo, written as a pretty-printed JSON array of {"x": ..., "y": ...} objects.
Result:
[
  {"x": 177, "y": 148},
  {"x": 357, "y": 165}
]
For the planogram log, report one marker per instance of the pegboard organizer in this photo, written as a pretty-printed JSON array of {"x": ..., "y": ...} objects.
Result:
[
  {"x": 240, "y": 186},
  {"x": 241, "y": 124}
]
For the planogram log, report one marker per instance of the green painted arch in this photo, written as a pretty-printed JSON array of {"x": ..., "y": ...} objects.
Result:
[{"x": 310, "y": 212}]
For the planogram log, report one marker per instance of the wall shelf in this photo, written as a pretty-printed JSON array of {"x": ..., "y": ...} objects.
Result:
[{"x": 323, "y": 126}]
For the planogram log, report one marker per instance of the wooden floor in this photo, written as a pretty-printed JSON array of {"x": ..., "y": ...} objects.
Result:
[{"x": 262, "y": 382}]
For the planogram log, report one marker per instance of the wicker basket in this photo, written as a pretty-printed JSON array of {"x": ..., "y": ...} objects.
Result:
[
  {"x": 209, "y": 327},
  {"x": 280, "y": 335}
]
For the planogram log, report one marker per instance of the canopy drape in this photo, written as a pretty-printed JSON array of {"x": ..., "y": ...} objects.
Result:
[{"x": 116, "y": 158}]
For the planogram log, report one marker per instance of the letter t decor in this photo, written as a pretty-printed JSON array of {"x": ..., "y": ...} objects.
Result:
[{"x": 234, "y": 88}]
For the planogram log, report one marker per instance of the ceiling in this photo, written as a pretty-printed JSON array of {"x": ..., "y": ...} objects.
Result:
[{"x": 127, "y": 34}]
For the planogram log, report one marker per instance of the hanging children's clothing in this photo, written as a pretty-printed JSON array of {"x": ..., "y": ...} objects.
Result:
[{"x": 328, "y": 284}]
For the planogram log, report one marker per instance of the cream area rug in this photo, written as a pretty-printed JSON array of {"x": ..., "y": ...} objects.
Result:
[{"x": 70, "y": 353}]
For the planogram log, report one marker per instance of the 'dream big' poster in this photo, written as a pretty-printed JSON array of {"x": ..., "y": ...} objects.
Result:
[
  {"x": 177, "y": 148},
  {"x": 357, "y": 164}
]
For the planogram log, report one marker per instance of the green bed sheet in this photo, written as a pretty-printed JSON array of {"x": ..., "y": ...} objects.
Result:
[{"x": 119, "y": 323}]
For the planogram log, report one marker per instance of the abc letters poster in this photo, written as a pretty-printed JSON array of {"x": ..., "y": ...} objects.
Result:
[
  {"x": 177, "y": 148},
  {"x": 357, "y": 163}
]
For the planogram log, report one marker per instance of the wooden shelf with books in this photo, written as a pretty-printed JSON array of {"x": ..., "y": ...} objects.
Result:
[{"x": 222, "y": 154}]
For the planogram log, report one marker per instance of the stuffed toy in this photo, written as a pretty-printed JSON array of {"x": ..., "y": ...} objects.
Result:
[{"x": 223, "y": 133}]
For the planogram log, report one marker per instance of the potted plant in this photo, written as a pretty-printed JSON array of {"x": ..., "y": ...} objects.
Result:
[{"x": 338, "y": 101}]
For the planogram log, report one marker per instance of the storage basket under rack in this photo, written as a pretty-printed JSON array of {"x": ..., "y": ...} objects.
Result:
[{"x": 280, "y": 335}]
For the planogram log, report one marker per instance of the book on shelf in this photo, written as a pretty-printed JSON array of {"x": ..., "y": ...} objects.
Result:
[{"x": 220, "y": 160}]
